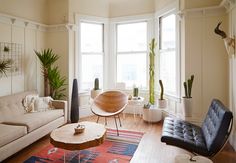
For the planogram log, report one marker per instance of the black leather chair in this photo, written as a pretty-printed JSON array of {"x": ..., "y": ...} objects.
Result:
[{"x": 206, "y": 140}]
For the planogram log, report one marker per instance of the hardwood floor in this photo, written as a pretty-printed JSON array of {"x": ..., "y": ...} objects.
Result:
[{"x": 150, "y": 149}]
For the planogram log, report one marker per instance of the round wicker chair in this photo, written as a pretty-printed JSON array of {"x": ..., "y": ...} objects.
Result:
[{"x": 108, "y": 104}]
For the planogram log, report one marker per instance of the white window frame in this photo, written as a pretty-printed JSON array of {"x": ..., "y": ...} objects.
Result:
[
  {"x": 149, "y": 18},
  {"x": 171, "y": 9},
  {"x": 78, "y": 59}
]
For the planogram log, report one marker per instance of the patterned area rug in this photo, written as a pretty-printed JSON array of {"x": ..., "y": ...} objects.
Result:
[{"x": 115, "y": 149}]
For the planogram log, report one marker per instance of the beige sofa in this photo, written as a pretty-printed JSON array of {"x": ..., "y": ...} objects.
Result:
[{"x": 19, "y": 129}]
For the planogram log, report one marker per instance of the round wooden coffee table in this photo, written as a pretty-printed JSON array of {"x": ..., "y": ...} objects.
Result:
[{"x": 64, "y": 137}]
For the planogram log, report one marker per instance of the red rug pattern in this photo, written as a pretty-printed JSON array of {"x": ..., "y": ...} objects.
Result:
[{"x": 115, "y": 149}]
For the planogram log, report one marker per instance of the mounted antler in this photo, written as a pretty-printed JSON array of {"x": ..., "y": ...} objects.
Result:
[
  {"x": 219, "y": 32},
  {"x": 229, "y": 42}
]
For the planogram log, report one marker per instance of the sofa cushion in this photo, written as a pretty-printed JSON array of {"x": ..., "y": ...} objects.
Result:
[
  {"x": 35, "y": 120},
  {"x": 10, "y": 133},
  {"x": 11, "y": 105}
]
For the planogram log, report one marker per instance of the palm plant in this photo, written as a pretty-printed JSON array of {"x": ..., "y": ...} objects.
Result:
[
  {"x": 47, "y": 58},
  {"x": 57, "y": 83},
  {"x": 5, "y": 65}
]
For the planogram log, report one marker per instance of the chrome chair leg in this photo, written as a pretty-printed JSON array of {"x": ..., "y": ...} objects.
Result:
[
  {"x": 116, "y": 126},
  {"x": 119, "y": 120},
  {"x": 98, "y": 119}
]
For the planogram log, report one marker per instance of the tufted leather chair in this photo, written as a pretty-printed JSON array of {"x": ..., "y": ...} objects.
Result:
[{"x": 206, "y": 140}]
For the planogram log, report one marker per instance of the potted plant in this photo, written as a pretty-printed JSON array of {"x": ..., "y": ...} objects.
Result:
[
  {"x": 47, "y": 58},
  {"x": 57, "y": 83},
  {"x": 135, "y": 92},
  {"x": 5, "y": 65},
  {"x": 95, "y": 91},
  {"x": 151, "y": 101},
  {"x": 161, "y": 101},
  {"x": 187, "y": 99},
  {"x": 6, "y": 49}
]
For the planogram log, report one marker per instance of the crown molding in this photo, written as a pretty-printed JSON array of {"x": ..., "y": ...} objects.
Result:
[
  {"x": 221, "y": 9},
  {"x": 228, "y": 4},
  {"x": 25, "y": 23}
]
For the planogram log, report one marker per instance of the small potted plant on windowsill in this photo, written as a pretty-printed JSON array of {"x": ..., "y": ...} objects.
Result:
[
  {"x": 95, "y": 91},
  {"x": 161, "y": 101},
  {"x": 187, "y": 99}
]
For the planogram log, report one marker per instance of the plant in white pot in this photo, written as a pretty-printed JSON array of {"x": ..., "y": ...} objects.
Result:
[
  {"x": 187, "y": 99},
  {"x": 161, "y": 101},
  {"x": 95, "y": 91},
  {"x": 152, "y": 54}
]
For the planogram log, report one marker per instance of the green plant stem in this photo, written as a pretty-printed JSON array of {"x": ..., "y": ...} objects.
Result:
[
  {"x": 162, "y": 90},
  {"x": 152, "y": 72},
  {"x": 186, "y": 89},
  {"x": 96, "y": 84}
]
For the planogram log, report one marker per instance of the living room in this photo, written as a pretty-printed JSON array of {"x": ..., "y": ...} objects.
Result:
[{"x": 111, "y": 40}]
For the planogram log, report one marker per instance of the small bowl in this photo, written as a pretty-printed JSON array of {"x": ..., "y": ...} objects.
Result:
[{"x": 79, "y": 129}]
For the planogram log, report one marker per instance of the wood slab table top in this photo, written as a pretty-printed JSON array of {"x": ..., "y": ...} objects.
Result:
[{"x": 65, "y": 137}]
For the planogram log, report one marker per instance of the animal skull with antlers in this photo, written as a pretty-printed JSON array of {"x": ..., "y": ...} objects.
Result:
[{"x": 229, "y": 42}]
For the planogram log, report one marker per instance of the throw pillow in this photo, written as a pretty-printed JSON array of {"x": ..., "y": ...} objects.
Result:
[
  {"x": 43, "y": 103},
  {"x": 28, "y": 102}
]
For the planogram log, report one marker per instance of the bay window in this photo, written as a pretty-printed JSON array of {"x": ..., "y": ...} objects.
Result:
[
  {"x": 131, "y": 51},
  {"x": 168, "y": 66},
  {"x": 92, "y": 52}
]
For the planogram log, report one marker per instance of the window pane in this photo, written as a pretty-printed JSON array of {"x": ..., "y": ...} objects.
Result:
[
  {"x": 132, "y": 37},
  {"x": 91, "y": 37},
  {"x": 168, "y": 71},
  {"x": 92, "y": 67},
  {"x": 167, "y": 32},
  {"x": 131, "y": 69}
]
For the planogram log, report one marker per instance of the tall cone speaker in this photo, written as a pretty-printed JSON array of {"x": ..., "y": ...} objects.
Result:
[{"x": 74, "y": 117}]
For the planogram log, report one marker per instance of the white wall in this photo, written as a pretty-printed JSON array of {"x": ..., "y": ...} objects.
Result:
[
  {"x": 189, "y": 4},
  {"x": 31, "y": 38},
  {"x": 232, "y": 74},
  {"x": 98, "y": 8},
  {"x": 160, "y": 4},
  {"x": 206, "y": 58},
  {"x": 28, "y": 9},
  {"x": 120, "y": 8},
  {"x": 57, "y": 11}
]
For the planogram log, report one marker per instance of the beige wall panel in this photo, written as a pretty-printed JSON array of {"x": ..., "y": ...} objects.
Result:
[
  {"x": 88, "y": 7},
  {"x": 58, "y": 11},
  {"x": 30, "y": 66},
  {"x": 29, "y": 9},
  {"x": 232, "y": 78},
  {"x": 5, "y": 82},
  {"x": 206, "y": 58},
  {"x": 132, "y": 7},
  {"x": 215, "y": 63},
  {"x": 58, "y": 41},
  {"x": 18, "y": 80},
  {"x": 193, "y": 59},
  {"x": 200, "y": 3},
  {"x": 41, "y": 44},
  {"x": 5, "y": 30},
  {"x": 160, "y": 4}
]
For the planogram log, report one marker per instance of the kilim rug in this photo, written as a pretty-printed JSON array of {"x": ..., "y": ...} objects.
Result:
[{"x": 115, "y": 149}]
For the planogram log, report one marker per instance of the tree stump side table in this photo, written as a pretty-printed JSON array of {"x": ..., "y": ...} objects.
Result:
[{"x": 65, "y": 137}]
